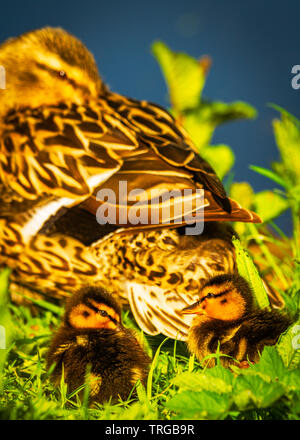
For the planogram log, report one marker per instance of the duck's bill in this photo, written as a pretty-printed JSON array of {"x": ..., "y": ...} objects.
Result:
[{"x": 195, "y": 308}]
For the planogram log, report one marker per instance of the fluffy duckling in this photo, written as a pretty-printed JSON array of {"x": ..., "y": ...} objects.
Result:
[
  {"x": 226, "y": 315},
  {"x": 92, "y": 336}
]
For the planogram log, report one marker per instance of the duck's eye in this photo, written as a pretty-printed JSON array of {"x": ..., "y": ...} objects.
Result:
[
  {"x": 210, "y": 295},
  {"x": 85, "y": 314},
  {"x": 62, "y": 74},
  {"x": 103, "y": 313}
]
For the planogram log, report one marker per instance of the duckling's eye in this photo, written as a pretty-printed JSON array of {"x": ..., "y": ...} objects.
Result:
[
  {"x": 103, "y": 313},
  {"x": 62, "y": 74},
  {"x": 85, "y": 314},
  {"x": 210, "y": 295}
]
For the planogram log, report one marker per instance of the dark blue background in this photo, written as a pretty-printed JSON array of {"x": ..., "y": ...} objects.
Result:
[{"x": 254, "y": 45}]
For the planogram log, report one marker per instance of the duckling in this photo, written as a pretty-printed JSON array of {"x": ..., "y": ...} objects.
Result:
[
  {"x": 226, "y": 316},
  {"x": 92, "y": 336}
]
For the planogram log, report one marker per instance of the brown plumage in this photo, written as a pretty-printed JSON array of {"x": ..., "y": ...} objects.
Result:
[
  {"x": 65, "y": 138},
  {"x": 92, "y": 338},
  {"x": 226, "y": 317}
]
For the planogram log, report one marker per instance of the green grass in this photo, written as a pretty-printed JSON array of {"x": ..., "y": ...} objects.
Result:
[{"x": 178, "y": 386}]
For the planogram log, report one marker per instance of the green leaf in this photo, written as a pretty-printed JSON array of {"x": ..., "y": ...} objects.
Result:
[
  {"x": 287, "y": 135},
  {"x": 247, "y": 270},
  {"x": 269, "y": 205},
  {"x": 201, "y": 121},
  {"x": 253, "y": 392},
  {"x": 270, "y": 175},
  {"x": 243, "y": 193},
  {"x": 285, "y": 113},
  {"x": 217, "y": 379},
  {"x": 200, "y": 405},
  {"x": 200, "y": 131},
  {"x": 184, "y": 75},
  {"x": 270, "y": 366},
  {"x": 220, "y": 157},
  {"x": 218, "y": 112},
  {"x": 288, "y": 346}
]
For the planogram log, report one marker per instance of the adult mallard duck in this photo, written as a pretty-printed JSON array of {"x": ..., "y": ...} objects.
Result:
[{"x": 64, "y": 136}]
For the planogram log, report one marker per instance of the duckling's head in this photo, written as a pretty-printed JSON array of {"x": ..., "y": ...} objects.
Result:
[
  {"x": 224, "y": 297},
  {"x": 92, "y": 308}
]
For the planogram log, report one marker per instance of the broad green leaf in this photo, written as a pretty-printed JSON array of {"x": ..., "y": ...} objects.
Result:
[
  {"x": 269, "y": 205},
  {"x": 200, "y": 122},
  {"x": 287, "y": 135},
  {"x": 218, "y": 112},
  {"x": 253, "y": 392},
  {"x": 247, "y": 269},
  {"x": 216, "y": 379},
  {"x": 184, "y": 75},
  {"x": 220, "y": 157},
  {"x": 270, "y": 366},
  {"x": 291, "y": 380},
  {"x": 243, "y": 193},
  {"x": 288, "y": 346},
  {"x": 200, "y": 405},
  {"x": 220, "y": 372},
  {"x": 200, "y": 131}
]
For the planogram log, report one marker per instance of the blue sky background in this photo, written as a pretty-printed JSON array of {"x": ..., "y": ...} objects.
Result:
[{"x": 253, "y": 44}]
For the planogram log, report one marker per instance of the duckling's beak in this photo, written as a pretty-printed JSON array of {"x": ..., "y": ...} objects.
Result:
[
  {"x": 119, "y": 327},
  {"x": 195, "y": 308}
]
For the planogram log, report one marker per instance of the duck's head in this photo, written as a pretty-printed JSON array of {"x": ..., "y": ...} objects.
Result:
[
  {"x": 224, "y": 297},
  {"x": 47, "y": 67},
  {"x": 93, "y": 308}
]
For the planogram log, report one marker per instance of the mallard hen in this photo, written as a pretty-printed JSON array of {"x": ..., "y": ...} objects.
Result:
[{"x": 64, "y": 136}]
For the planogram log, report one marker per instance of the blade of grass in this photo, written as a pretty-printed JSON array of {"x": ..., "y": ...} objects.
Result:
[
  {"x": 6, "y": 330},
  {"x": 152, "y": 368},
  {"x": 270, "y": 175},
  {"x": 191, "y": 363},
  {"x": 63, "y": 388},
  {"x": 278, "y": 230},
  {"x": 44, "y": 304}
]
